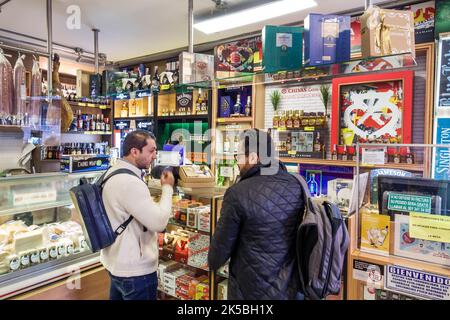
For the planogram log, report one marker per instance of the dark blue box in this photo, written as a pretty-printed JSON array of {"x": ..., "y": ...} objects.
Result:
[
  {"x": 327, "y": 39},
  {"x": 225, "y": 107}
]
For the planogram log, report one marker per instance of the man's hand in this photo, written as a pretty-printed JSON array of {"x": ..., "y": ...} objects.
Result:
[{"x": 167, "y": 178}]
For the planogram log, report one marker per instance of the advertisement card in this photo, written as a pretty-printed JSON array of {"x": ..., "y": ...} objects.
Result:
[
  {"x": 375, "y": 230},
  {"x": 407, "y": 246}
]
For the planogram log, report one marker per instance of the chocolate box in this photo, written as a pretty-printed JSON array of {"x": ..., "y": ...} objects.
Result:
[
  {"x": 327, "y": 39},
  {"x": 387, "y": 32},
  {"x": 282, "y": 48}
]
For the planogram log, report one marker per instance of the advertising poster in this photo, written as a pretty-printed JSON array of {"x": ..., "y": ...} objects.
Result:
[
  {"x": 375, "y": 230},
  {"x": 424, "y": 15},
  {"x": 442, "y": 23},
  {"x": 441, "y": 166}
]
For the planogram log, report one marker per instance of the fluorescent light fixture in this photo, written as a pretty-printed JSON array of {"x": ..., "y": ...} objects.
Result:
[{"x": 253, "y": 15}]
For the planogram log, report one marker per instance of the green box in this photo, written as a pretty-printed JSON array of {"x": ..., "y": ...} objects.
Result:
[{"x": 282, "y": 48}]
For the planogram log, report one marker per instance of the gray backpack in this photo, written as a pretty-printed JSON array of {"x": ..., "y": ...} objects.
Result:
[{"x": 322, "y": 243}]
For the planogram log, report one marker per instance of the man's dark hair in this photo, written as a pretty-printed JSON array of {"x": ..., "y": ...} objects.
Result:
[
  {"x": 260, "y": 142},
  {"x": 136, "y": 139}
]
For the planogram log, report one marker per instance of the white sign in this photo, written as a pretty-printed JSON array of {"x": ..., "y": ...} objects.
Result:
[
  {"x": 417, "y": 283},
  {"x": 226, "y": 172},
  {"x": 372, "y": 156}
]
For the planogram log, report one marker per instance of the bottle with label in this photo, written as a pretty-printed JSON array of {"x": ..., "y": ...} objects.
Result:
[
  {"x": 317, "y": 143},
  {"x": 334, "y": 155},
  {"x": 124, "y": 110},
  {"x": 93, "y": 123},
  {"x": 344, "y": 154},
  {"x": 288, "y": 143},
  {"x": 305, "y": 119},
  {"x": 107, "y": 125},
  {"x": 248, "y": 107},
  {"x": 155, "y": 80},
  {"x": 276, "y": 120},
  {"x": 313, "y": 185},
  {"x": 409, "y": 156},
  {"x": 226, "y": 145},
  {"x": 132, "y": 108},
  {"x": 289, "y": 120},
  {"x": 237, "y": 106},
  {"x": 312, "y": 119},
  {"x": 198, "y": 103},
  {"x": 296, "y": 120},
  {"x": 235, "y": 144},
  {"x": 396, "y": 156},
  {"x": 282, "y": 123},
  {"x": 79, "y": 121},
  {"x": 204, "y": 105}
]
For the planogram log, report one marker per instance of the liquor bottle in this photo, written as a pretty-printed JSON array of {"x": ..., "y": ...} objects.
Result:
[
  {"x": 198, "y": 103},
  {"x": 87, "y": 124},
  {"x": 276, "y": 121},
  {"x": 124, "y": 110},
  {"x": 312, "y": 119},
  {"x": 288, "y": 143},
  {"x": 248, "y": 107},
  {"x": 282, "y": 123},
  {"x": 93, "y": 123},
  {"x": 73, "y": 150},
  {"x": 80, "y": 126},
  {"x": 296, "y": 120},
  {"x": 204, "y": 105},
  {"x": 236, "y": 144},
  {"x": 334, "y": 155},
  {"x": 132, "y": 108},
  {"x": 344, "y": 154},
  {"x": 313, "y": 185},
  {"x": 409, "y": 156},
  {"x": 237, "y": 105},
  {"x": 155, "y": 80},
  {"x": 98, "y": 125},
  {"x": 397, "y": 156},
  {"x": 107, "y": 125},
  {"x": 226, "y": 145},
  {"x": 78, "y": 148},
  {"x": 175, "y": 75},
  {"x": 353, "y": 154},
  {"x": 305, "y": 119},
  {"x": 289, "y": 120},
  {"x": 317, "y": 143},
  {"x": 49, "y": 152},
  {"x": 102, "y": 123}
]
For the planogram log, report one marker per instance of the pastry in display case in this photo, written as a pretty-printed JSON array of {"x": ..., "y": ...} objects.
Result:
[{"x": 38, "y": 234}]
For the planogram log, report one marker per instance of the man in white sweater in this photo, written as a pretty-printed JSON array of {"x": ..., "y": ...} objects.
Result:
[{"x": 132, "y": 260}]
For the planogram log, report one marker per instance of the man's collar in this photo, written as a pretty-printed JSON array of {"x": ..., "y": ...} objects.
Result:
[{"x": 122, "y": 163}]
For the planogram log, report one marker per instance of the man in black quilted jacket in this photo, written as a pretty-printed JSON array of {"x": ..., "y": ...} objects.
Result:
[{"x": 257, "y": 225}]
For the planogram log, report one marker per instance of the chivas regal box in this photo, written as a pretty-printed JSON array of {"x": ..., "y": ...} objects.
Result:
[
  {"x": 327, "y": 39},
  {"x": 387, "y": 32},
  {"x": 282, "y": 48}
]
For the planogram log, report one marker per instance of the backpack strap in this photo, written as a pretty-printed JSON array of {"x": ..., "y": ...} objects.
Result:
[
  {"x": 102, "y": 181},
  {"x": 306, "y": 193}
]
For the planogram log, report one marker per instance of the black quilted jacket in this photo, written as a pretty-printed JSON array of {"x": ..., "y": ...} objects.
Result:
[{"x": 257, "y": 230}]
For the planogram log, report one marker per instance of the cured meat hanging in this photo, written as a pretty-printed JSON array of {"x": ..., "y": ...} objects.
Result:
[
  {"x": 66, "y": 110},
  {"x": 20, "y": 94},
  {"x": 6, "y": 89},
  {"x": 35, "y": 93}
]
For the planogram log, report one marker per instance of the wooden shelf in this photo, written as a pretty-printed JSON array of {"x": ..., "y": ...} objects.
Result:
[
  {"x": 189, "y": 117},
  {"x": 134, "y": 118},
  {"x": 89, "y": 105},
  {"x": 103, "y": 133},
  {"x": 393, "y": 260},
  {"x": 234, "y": 120},
  {"x": 341, "y": 163}
]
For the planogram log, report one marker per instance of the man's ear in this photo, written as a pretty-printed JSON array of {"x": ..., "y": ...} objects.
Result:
[{"x": 253, "y": 158}]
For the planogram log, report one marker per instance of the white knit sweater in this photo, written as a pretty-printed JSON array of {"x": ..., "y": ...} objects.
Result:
[{"x": 135, "y": 252}]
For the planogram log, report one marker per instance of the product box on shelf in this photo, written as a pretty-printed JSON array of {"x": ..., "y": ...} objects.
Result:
[
  {"x": 225, "y": 107},
  {"x": 181, "y": 251},
  {"x": 327, "y": 39},
  {"x": 170, "y": 278},
  {"x": 202, "y": 291},
  {"x": 195, "y": 67},
  {"x": 282, "y": 48},
  {"x": 196, "y": 176},
  {"x": 386, "y": 32},
  {"x": 84, "y": 163},
  {"x": 198, "y": 251},
  {"x": 339, "y": 191},
  {"x": 204, "y": 218}
]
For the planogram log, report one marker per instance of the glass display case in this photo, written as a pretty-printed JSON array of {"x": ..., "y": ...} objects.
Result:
[
  {"x": 183, "y": 271},
  {"x": 41, "y": 241},
  {"x": 402, "y": 223}
]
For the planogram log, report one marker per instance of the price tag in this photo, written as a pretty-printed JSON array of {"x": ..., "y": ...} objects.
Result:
[
  {"x": 103, "y": 107},
  {"x": 281, "y": 129},
  {"x": 292, "y": 152},
  {"x": 82, "y": 104},
  {"x": 91, "y": 105},
  {"x": 309, "y": 128},
  {"x": 165, "y": 87},
  {"x": 221, "y": 120}
]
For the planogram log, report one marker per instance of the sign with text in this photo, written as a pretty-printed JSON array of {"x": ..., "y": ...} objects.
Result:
[
  {"x": 441, "y": 167},
  {"x": 429, "y": 227},
  {"x": 417, "y": 283},
  {"x": 409, "y": 203},
  {"x": 372, "y": 156}
]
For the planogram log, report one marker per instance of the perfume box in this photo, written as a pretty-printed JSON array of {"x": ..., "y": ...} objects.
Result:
[
  {"x": 282, "y": 48},
  {"x": 225, "y": 107},
  {"x": 327, "y": 39},
  {"x": 387, "y": 32}
]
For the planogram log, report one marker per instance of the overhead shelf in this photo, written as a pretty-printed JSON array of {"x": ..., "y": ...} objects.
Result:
[
  {"x": 234, "y": 120},
  {"x": 35, "y": 207}
]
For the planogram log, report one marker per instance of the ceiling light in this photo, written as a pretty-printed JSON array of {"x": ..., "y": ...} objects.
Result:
[{"x": 256, "y": 14}]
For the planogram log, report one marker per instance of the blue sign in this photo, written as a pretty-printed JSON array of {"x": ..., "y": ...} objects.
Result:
[{"x": 441, "y": 168}]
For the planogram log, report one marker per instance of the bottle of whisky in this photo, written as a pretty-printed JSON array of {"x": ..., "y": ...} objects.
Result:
[
  {"x": 282, "y": 123},
  {"x": 317, "y": 143},
  {"x": 397, "y": 156},
  {"x": 155, "y": 80},
  {"x": 203, "y": 105},
  {"x": 334, "y": 155},
  {"x": 235, "y": 144},
  {"x": 226, "y": 145},
  {"x": 93, "y": 123},
  {"x": 345, "y": 154},
  {"x": 276, "y": 120},
  {"x": 289, "y": 120},
  {"x": 248, "y": 107},
  {"x": 124, "y": 110},
  {"x": 237, "y": 105},
  {"x": 409, "y": 156},
  {"x": 296, "y": 120}
]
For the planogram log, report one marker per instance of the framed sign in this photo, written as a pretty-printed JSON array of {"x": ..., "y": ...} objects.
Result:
[{"x": 375, "y": 108}]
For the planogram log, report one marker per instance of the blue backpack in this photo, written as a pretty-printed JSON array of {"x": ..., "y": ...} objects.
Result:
[{"x": 87, "y": 198}]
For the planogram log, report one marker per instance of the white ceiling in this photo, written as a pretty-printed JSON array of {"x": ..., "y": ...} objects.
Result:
[{"x": 133, "y": 28}]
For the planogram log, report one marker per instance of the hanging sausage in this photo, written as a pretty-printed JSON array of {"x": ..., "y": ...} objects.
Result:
[
  {"x": 36, "y": 93},
  {"x": 20, "y": 92},
  {"x": 6, "y": 89},
  {"x": 66, "y": 110}
]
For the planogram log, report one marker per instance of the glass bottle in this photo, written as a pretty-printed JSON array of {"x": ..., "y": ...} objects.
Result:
[
  {"x": 237, "y": 105},
  {"x": 409, "y": 156},
  {"x": 226, "y": 145},
  {"x": 317, "y": 143},
  {"x": 313, "y": 185},
  {"x": 312, "y": 119},
  {"x": 236, "y": 144},
  {"x": 282, "y": 123},
  {"x": 334, "y": 155},
  {"x": 248, "y": 107},
  {"x": 276, "y": 120},
  {"x": 155, "y": 80},
  {"x": 296, "y": 120},
  {"x": 396, "y": 156},
  {"x": 344, "y": 154},
  {"x": 305, "y": 119},
  {"x": 289, "y": 120}
]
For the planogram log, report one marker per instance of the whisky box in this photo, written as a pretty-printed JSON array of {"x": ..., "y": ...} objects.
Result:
[
  {"x": 225, "y": 107},
  {"x": 282, "y": 48},
  {"x": 327, "y": 39},
  {"x": 387, "y": 32}
]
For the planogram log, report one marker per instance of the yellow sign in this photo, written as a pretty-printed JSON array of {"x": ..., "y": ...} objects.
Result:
[
  {"x": 220, "y": 120},
  {"x": 281, "y": 129},
  {"x": 292, "y": 152},
  {"x": 309, "y": 128},
  {"x": 91, "y": 105},
  {"x": 375, "y": 230},
  {"x": 81, "y": 104},
  {"x": 429, "y": 227}
]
